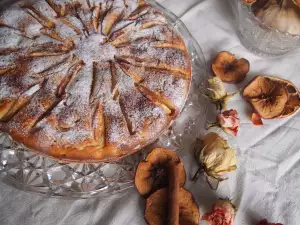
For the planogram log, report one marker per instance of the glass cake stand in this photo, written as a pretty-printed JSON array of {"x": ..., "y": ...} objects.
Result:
[{"x": 29, "y": 171}]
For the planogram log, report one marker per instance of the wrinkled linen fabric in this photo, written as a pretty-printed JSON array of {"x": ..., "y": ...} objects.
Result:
[{"x": 267, "y": 181}]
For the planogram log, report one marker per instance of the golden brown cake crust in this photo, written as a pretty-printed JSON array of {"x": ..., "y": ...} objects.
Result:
[{"x": 89, "y": 80}]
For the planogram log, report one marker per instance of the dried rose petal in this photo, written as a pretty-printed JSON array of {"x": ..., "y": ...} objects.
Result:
[
  {"x": 249, "y": 2},
  {"x": 256, "y": 119},
  {"x": 229, "y": 121},
  {"x": 223, "y": 213}
]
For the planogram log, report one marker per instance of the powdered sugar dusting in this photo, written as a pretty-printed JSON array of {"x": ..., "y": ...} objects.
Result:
[
  {"x": 7, "y": 91},
  {"x": 12, "y": 87},
  {"x": 7, "y": 60},
  {"x": 42, "y": 6},
  {"x": 40, "y": 64},
  {"x": 13, "y": 16},
  {"x": 115, "y": 124},
  {"x": 9, "y": 38},
  {"x": 102, "y": 86},
  {"x": 48, "y": 135},
  {"x": 67, "y": 32},
  {"x": 169, "y": 86},
  {"x": 136, "y": 106},
  {"x": 153, "y": 56},
  {"x": 92, "y": 50}
]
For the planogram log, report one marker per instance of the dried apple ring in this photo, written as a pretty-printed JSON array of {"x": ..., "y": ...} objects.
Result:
[
  {"x": 293, "y": 103},
  {"x": 151, "y": 174},
  {"x": 229, "y": 69},
  {"x": 268, "y": 97},
  {"x": 157, "y": 208}
]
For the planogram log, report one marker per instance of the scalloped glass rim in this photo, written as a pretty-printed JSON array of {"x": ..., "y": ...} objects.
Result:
[
  {"x": 30, "y": 171},
  {"x": 251, "y": 14}
]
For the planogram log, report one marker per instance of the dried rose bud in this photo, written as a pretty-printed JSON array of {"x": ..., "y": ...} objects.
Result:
[
  {"x": 229, "y": 121},
  {"x": 217, "y": 93},
  {"x": 216, "y": 90},
  {"x": 256, "y": 119},
  {"x": 223, "y": 213}
]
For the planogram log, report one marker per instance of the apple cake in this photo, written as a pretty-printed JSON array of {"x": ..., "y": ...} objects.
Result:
[{"x": 89, "y": 80}]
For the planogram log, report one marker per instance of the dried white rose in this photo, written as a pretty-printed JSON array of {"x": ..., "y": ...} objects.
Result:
[{"x": 216, "y": 156}]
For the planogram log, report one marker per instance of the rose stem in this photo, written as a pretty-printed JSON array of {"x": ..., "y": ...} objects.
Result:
[{"x": 197, "y": 174}]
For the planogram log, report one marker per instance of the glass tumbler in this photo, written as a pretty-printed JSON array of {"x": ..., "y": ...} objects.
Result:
[{"x": 260, "y": 38}]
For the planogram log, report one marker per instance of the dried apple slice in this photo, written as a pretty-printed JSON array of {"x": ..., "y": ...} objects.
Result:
[
  {"x": 151, "y": 174},
  {"x": 293, "y": 103},
  {"x": 291, "y": 106},
  {"x": 267, "y": 97},
  {"x": 229, "y": 69},
  {"x": 273, "y": 105},
  {"x": 156, "y": 212}
]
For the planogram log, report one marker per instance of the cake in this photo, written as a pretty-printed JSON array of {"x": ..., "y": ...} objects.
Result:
[{"x": 89, "y": 80}]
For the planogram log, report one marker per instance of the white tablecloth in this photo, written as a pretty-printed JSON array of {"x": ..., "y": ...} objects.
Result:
[{"x": 267, "y": 182}]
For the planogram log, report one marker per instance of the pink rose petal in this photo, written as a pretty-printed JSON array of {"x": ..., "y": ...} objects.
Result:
[
  {"x": 256, "y": 119},
  {"x": 229, "y": 121},
  {"x": 222, "y": 214}
]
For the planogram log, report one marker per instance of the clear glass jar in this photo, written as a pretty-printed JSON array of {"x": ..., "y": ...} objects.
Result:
[{"x": 261, "y": 38}]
